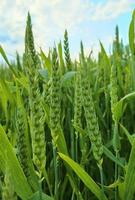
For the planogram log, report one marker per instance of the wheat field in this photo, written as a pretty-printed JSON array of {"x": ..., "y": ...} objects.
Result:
[{"x": 67, "y": 127}]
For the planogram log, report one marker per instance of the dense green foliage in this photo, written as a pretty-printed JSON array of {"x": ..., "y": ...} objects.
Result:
[{"x": 67, "y": 127}]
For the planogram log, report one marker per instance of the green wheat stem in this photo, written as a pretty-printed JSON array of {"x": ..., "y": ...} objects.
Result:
[
  {"x": 102, "y": 181},
  {"x": 56, "y": 170},
  {"x": 40, "y": 188}
]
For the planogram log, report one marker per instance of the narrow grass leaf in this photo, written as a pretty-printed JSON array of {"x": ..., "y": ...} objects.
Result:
[
  {"x": 36, "y": 196},
  {"x": 110, "y": 155},
  {"x": 83, "y": 175},
  {"x": 129, "y": 182},
  {"x": 8, "y": 156}
]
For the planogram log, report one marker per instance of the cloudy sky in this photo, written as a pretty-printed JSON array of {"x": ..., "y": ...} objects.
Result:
[{"x": 86, "y": 20}]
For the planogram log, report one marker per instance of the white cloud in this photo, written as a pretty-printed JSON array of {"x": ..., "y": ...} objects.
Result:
[
  {"x": 111, "y": 9},
  {"x": 51, "y": 18}
]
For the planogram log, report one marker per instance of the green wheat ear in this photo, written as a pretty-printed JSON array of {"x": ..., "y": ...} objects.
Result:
[
  {"x": 29, "y": 39},
  {"x": 92, "y": 123},
  {"x": 30, "y": 57},
  {"x": 90, "y": 113},
  {"x": 66, "y": 51},
  {"x": 37, "y": 116},
  {"x": 78, "y": 100},
  {"x": 55, "y": 93},
  {"x": 21, "y": 142},
  {"x": 32, "y": 64},
  {"x": 82, "y": 58},
  {"x": 113, "y": 89},
  {"x": 117, "y": 41}
]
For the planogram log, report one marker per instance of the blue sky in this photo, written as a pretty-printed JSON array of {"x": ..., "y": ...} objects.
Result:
[{"x": 86, "y": 20}]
